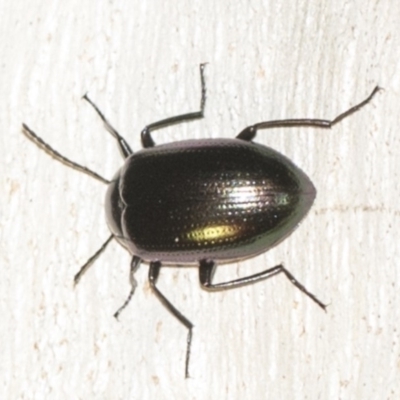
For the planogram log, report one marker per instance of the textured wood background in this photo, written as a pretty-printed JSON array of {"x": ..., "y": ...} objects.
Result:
[{"x": 139, "y": 62}]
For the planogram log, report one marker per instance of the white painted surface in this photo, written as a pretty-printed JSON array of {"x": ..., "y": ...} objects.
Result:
[{"x": 139, "y": 62}]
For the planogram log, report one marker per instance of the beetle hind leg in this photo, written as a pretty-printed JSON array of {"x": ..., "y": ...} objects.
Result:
[
  {"x": 147, "y": 140},
  {"x": 250, "y": 132},
  {"x": 154, "y": 272},
  {"x": 208, "y": 267}
]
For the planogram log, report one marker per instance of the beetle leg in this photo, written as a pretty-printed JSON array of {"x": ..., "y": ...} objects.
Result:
[
  {"x": 207, "y": 269},
  {"x": 250, "y": 132},
  {"x": 147, "y": 140},
  {"x": 122, "y": 143},
  {"x": 154, "y": 271},
  {"x": 135, "y": 264},
  {"x": 91, "y": 260}
]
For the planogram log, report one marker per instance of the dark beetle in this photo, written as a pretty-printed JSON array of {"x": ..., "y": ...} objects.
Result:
[
  {"x": 220, "y": 200},
  {"x": 203, "y": 201}
]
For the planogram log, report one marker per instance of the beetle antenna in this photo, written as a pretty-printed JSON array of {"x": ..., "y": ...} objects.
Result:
[{"x": 57, "y": 156}]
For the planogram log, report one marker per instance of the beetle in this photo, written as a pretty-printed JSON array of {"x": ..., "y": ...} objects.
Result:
[{"x": 202, "y": 202}]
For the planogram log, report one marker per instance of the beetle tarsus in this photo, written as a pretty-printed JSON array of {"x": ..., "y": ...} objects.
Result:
[
  {"x": 154, "y": 271},
  {"x": 147, "y": 140},
  {"x": 355, "y": 108}
]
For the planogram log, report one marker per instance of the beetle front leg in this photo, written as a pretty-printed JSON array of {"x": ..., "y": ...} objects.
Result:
[
  {"x": 147, "y": 140},
  {"x": 207, "y": 269},
  {"x": 154, "y": 271},
  {"x": 91, "y": 260}
]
